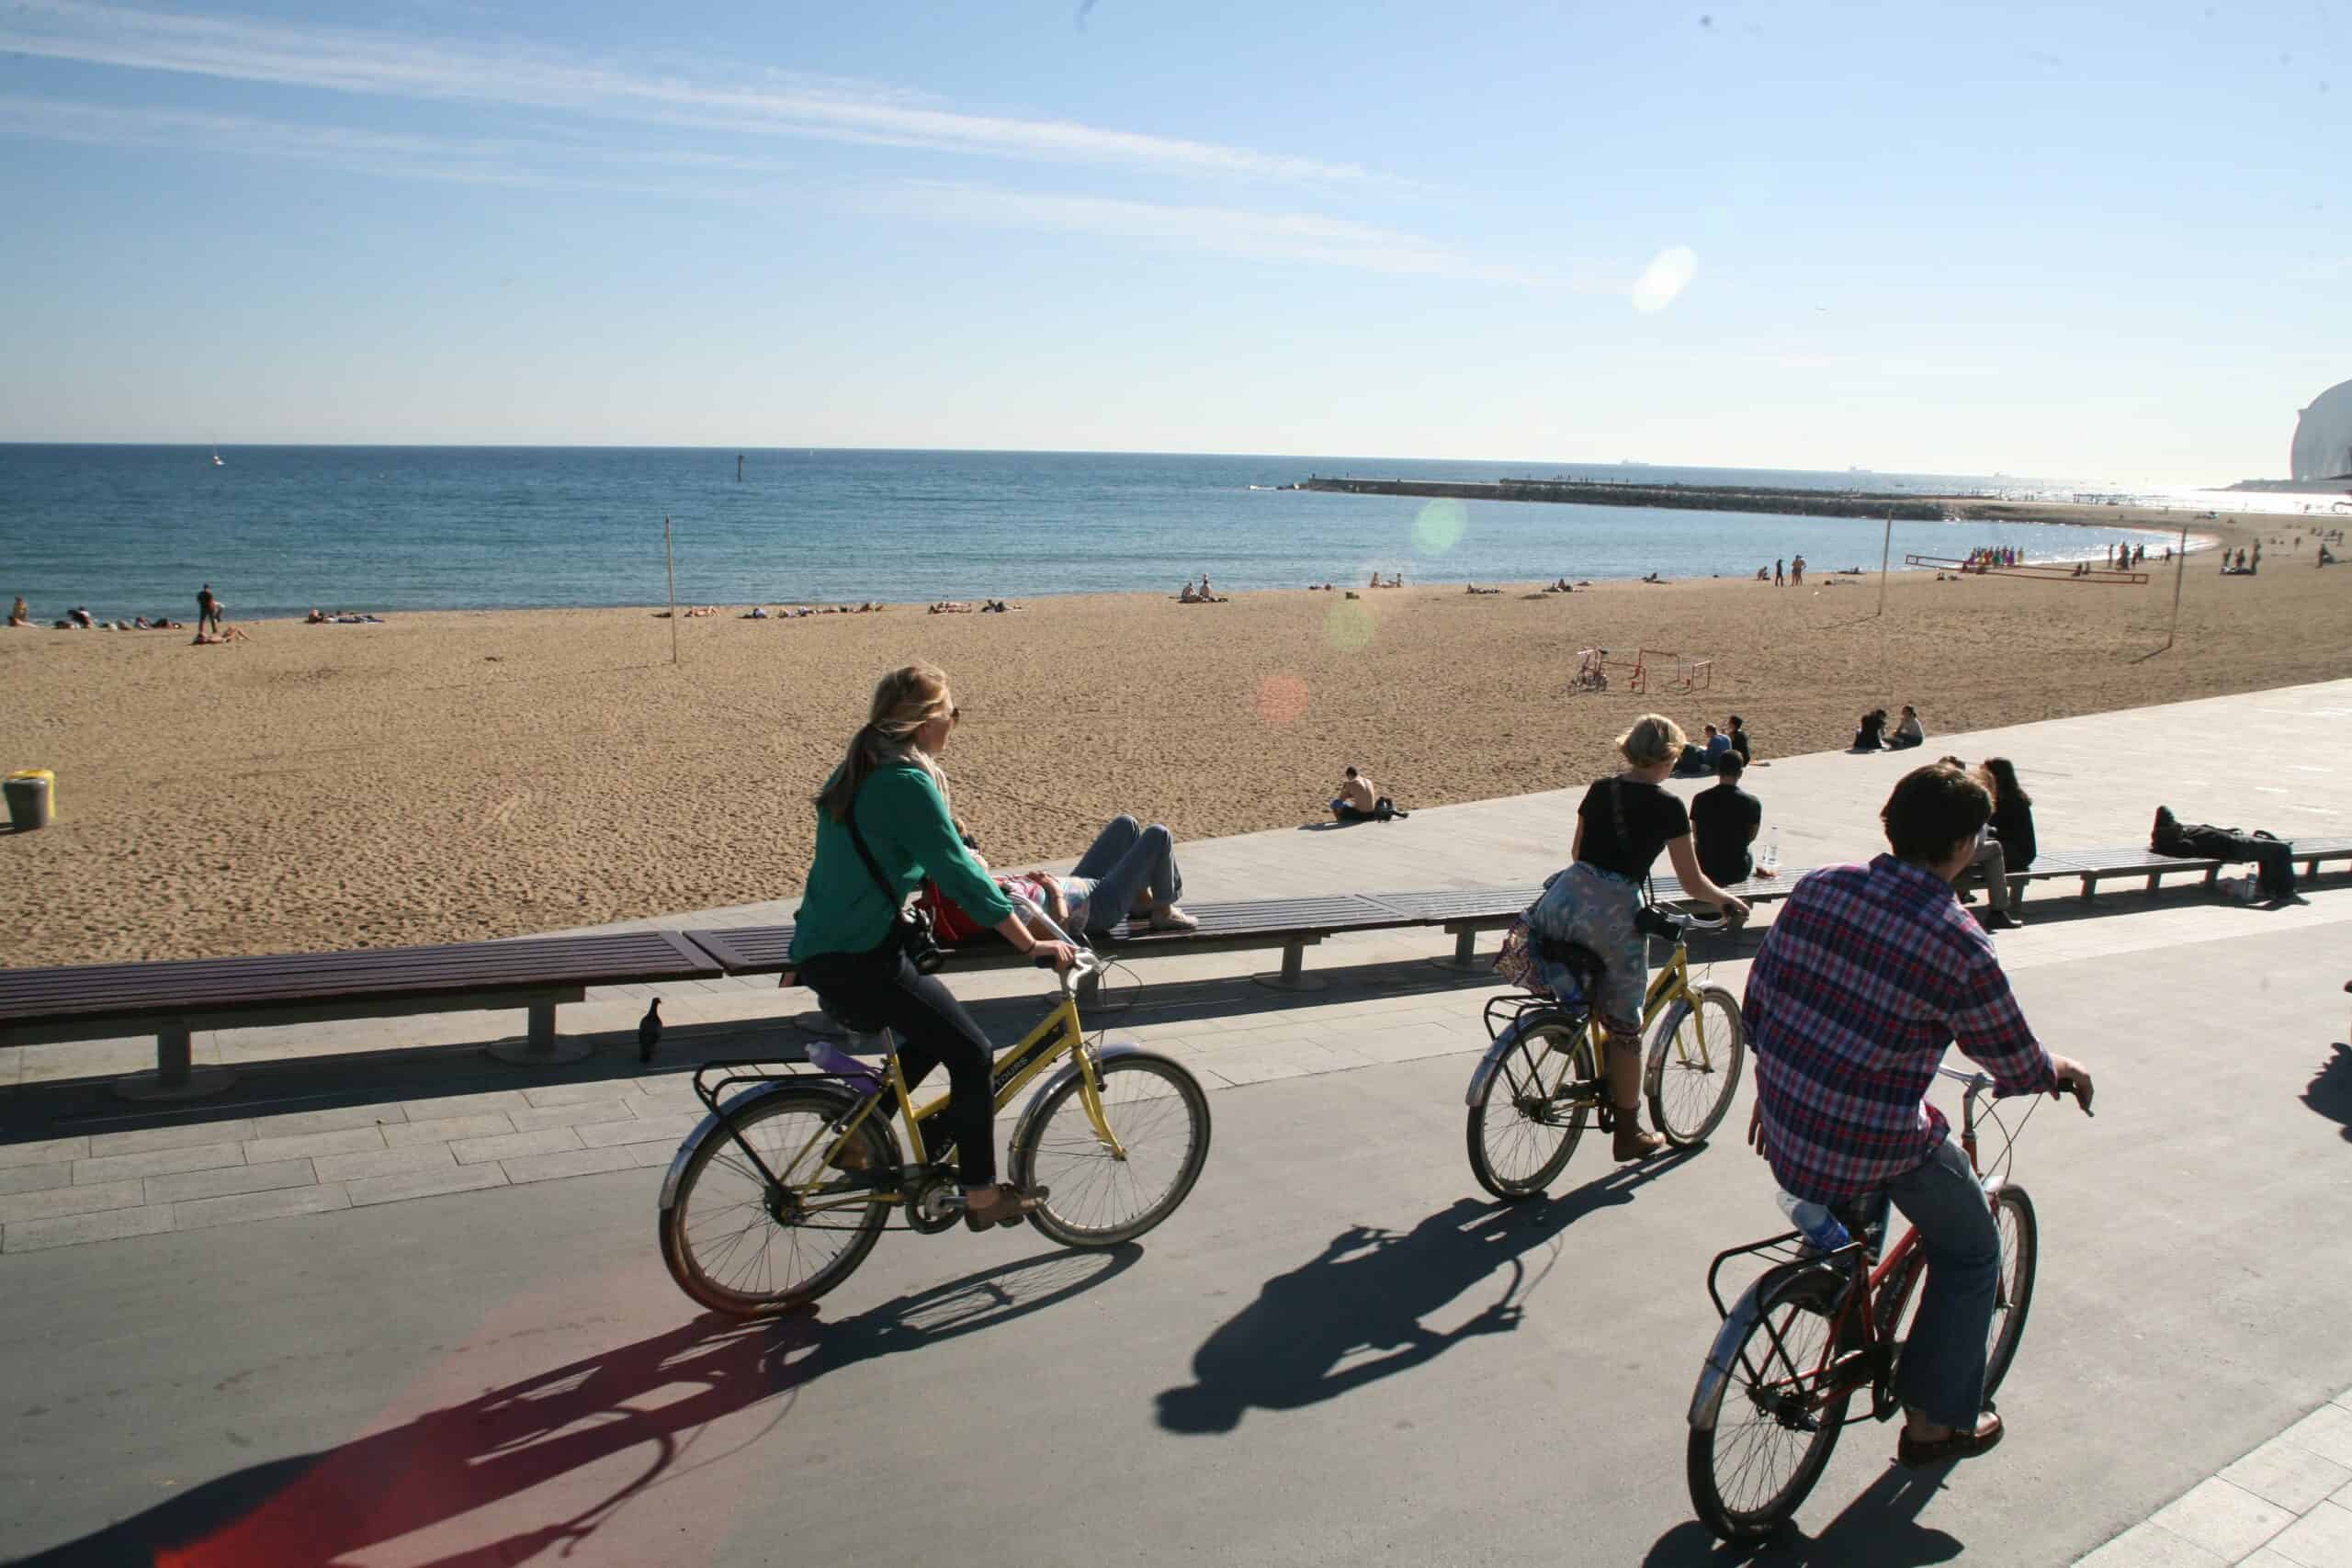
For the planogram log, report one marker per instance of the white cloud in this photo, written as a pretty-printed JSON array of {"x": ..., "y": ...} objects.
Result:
[
  {"x": 398, "y": 65},
  {"x": 1665, "y": 279},
  {"x": 1277, "y": 236}
]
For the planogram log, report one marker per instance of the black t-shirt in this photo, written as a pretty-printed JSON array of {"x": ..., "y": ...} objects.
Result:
[
  {"x": 1652, "y": 817},
  {"x": 1721, "y": 819}
]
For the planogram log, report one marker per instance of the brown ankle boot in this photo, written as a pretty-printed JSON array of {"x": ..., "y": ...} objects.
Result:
[{"x": 1632, "y": 1142}]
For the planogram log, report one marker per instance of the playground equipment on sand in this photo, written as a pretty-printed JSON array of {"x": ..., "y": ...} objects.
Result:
[{"x": 1663, "y": 669}]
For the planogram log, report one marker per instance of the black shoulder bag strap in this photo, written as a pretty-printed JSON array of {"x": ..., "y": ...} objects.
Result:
[
  {"x": 891, "y": 895},
  {"x": 1617, "y": 814}
]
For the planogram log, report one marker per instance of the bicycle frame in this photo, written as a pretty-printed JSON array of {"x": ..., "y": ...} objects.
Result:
[
  {"x": 1670, "y": 984},
  {"x": 1061, "y": 1032},
  {"x": 1836, "y": 1375}
]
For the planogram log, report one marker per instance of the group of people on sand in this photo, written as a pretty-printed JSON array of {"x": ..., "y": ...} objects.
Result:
[
  {"x": 2123, "y": 557},
  {"x": 1788, "y": 574},
  {"x": 210, "y": 626},
  {"x": 2242, "y": 565},
  {"x": 794, "y": 612},
  {"x": 1394, "y": 579},
  {"x": 965, "y": 607},
  {"x": 1203, "y": 594},
  {"x": 318, "y": 617}
]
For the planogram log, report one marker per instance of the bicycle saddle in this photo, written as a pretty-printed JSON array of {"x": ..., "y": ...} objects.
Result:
[
  {"x": 854, "y": 1021},
  {"x": 1581, "y": 962}
]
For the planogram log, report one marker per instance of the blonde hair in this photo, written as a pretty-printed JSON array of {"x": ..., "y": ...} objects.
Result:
[
  {"x": 1654, "y": 739},
  {"x": 904, "y": 701}
]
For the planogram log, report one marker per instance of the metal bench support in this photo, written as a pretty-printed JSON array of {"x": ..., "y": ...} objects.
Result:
[
  {"x": 176, "y": 1075},
  {"x": 540, "y": 1047}
]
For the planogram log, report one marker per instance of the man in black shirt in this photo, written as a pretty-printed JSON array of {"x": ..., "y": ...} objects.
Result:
[{"x": 1724, "y": 821}]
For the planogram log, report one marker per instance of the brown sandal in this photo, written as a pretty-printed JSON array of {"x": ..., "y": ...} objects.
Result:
[
  {"x": 1961, "y": 1445},
  {"x": 1011, "y": 1206}
]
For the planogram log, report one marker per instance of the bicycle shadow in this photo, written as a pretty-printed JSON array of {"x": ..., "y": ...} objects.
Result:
[
  {"x": 1370, "y": 1290},
  {"x": 315, "y": 1510},
  {"x": 1880, "y": 1528},
  {"x": 2330, "y": 1091}
]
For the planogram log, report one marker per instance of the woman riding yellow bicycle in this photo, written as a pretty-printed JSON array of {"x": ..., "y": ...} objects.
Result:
[
  {"x": 883, "y": 824},
  {"x": 1622, "y": 825}
]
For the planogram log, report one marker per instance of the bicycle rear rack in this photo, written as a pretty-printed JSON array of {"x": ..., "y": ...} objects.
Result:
[
  {"x": 1784, "y": 1251},
  {"x": 1508, "y": 1009},
  {"x": 729, "y": 1072}
]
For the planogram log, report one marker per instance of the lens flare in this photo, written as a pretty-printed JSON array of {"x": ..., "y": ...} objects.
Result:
[
  {"x": 1282, "y": 699},
  {"x": 1437, "y": 528},
  {"x": 1665, "y": 279},
  {"x": 1348, "y": 626}
]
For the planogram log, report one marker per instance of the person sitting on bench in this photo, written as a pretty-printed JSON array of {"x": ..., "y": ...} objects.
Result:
[
  {"x": 1724, "y": 821},
  {"x": 1357, "y": 801}
]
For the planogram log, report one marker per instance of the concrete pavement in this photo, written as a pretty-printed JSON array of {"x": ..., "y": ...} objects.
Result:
[{"x": 1336, "y": 1352}]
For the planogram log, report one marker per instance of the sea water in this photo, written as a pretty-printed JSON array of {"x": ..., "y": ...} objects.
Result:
[{"x": 280, "y": 530}]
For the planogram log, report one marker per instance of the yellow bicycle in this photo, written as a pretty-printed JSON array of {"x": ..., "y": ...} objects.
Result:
[
  {"x": 781, "y": 1192},
  {"x": 1536, "y": 1085}
]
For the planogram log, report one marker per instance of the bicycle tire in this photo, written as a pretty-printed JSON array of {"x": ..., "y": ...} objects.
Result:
[
  {"x": 1523, "y": 1086},
  {"x": 720, "y": 1241},
  {"x": 1794, "y": 1306},
  {"x": 2020, "y": 1251},
  {"x": 1058, "y": 1147},
  {"x": 1691, "y": 1089}
]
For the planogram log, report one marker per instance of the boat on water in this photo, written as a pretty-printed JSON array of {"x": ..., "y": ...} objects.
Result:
[{"x": 217, "y": 462}]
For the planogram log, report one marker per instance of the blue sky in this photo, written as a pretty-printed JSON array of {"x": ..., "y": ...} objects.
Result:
[{"x": 2102, "y": 243}]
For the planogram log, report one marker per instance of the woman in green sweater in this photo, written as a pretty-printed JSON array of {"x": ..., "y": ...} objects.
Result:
[{"x": 844, "y": 943}]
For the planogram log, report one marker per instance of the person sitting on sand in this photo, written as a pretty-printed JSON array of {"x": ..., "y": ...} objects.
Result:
[
  {"x": 1653, "y": 577},
  {"x": 1738, "y": 734},
  {"x": 80, "y": 617},
  {"x": 1190, "y": 595},
  {"x": 1871, "y": 734},
  {"x": 315, "y": 618},
  {"x": 20, "y": 613},
  {"x": 1359, "y": 801},
  {"x": 1908, "y": 733}
]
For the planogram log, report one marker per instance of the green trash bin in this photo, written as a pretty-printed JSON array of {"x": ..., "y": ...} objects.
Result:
[{"x": 32, "y": 798}]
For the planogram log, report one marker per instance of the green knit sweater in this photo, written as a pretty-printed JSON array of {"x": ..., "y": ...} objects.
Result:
[{"x": 906, "y": 824}]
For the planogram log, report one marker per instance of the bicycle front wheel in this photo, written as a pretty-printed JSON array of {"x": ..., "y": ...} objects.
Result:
[
  {"x": 1768, "y": 1431},
  {"x": 1529, "y": 1115},
  {"x": 1100, "y": 1196},
  {"x": 2012, "y": 1294},
  {"x": 745, "y": 1247},
  {"x": 1695, "y": 1054}
]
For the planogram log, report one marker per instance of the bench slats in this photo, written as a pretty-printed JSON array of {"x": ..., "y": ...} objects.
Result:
[{"x": 205, "y": 985}]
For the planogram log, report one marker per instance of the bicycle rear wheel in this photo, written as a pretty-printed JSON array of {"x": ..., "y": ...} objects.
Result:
[
  {"x": 1160, "y": 1117},
  {"x": 1521, "y": 1131},
  {"x": 1772, "y": 1422},
  {"x": 1695, "y": 1054},
  {"x": 743, "y": 1246}
]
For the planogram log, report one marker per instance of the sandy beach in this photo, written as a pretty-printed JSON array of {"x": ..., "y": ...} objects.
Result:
[{"x": 447, "y": 777}]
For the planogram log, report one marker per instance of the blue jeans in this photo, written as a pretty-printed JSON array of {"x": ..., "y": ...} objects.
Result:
[
  {"x": 1127, "y": 858},
  {"x": 1943, "y": 1362}
]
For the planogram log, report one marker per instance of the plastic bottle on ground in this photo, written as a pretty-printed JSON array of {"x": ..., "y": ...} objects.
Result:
[{"x": 1770, "y": 863}]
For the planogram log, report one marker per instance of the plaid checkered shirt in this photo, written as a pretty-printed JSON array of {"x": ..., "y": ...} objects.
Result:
[{"x": 1867, "y": 973}]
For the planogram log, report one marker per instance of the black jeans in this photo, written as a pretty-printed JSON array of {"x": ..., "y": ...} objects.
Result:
[{"x": 932, "y": 1028}]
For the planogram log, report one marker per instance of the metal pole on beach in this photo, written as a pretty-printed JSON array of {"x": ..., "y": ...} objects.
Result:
[
  {"x": 670, "y": 559},
  {"x": 1885, "y": 549},
  {"x": 2179, "y": 571}
]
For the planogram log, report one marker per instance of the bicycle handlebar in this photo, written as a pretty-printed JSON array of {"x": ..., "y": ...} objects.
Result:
[
  {"x": 1675, "y": 925},
  {"x": 1979, "y": 1083}
]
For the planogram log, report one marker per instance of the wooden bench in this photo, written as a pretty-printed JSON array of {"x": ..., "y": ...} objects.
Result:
[
  {"x": 174, "y": 999},
  {"x": 2093, "y": 866},
  {"x": 1291, "y": 924}
]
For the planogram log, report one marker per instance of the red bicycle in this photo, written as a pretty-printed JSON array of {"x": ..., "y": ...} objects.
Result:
[{"x": 1818, "y": 1329}]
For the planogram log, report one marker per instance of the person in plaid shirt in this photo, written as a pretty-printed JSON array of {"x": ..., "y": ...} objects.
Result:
[{"x": 1867, "y": 976}]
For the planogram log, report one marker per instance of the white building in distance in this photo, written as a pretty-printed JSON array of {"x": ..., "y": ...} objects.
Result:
[{"x": 2323, "y": 438}]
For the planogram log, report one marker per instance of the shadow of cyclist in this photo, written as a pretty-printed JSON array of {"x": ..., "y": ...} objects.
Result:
[
  {"x": 314, "y": 1510},
  {"x": 1880, "y": 1528},
  {"x": 2330, "y": 1092},
  {"x": 1371, "y": 1289}
]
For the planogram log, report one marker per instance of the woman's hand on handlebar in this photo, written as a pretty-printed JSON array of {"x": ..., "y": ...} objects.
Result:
[{"x": 1056, "y": 955}]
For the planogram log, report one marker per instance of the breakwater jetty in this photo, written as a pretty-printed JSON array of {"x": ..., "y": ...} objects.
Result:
[{"x": 1694, "y": 497}]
